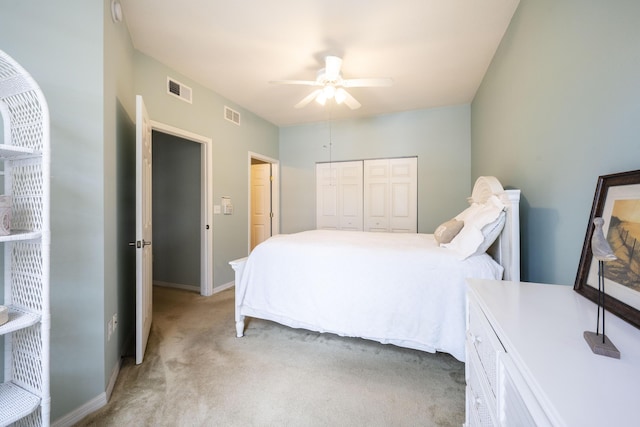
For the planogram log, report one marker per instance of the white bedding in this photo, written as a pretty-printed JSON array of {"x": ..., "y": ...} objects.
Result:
[{"x": 401, "y": 289}]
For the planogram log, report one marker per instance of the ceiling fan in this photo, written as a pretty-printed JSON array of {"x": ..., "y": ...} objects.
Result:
[{"x": 331, "y": 85}]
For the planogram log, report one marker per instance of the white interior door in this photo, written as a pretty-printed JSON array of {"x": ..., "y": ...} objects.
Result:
[
  {"x": 144, "y": 252},
  {"x": 260, "y": 203}
]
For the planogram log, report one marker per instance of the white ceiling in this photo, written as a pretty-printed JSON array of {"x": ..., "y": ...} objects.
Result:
[{"x": 436, "y": 51}]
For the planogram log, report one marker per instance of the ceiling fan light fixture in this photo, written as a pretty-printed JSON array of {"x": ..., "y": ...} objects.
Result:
[
  {"x": 330, "y": 85},
  {"x": 321, "y": 98},
  {"x": 340, "y": 95},
  {"x": 329, "y": 91}
]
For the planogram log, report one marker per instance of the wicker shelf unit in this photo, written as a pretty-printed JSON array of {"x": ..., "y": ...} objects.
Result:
[{"x": 25, "y": 156}]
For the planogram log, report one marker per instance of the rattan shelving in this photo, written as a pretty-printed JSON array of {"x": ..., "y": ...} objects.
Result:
[{"x": 25, "y": 155}]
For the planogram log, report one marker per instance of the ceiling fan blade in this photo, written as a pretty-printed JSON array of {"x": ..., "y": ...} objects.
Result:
[
  {"x": 307, "y": 99},
  {"x": 381, "y": 82},
  {"x": 332, "y": 68},
  {"x": 295, "y": 82},
  {"x": 348, "y": 99}
]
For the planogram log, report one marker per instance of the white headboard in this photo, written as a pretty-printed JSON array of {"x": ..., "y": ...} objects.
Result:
[{"x": 506, "y": 250}]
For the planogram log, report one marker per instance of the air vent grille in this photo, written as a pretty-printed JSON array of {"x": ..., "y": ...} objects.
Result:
[
  {"x": 178, "y": 90},
  {"x": 232, "y": 115}
]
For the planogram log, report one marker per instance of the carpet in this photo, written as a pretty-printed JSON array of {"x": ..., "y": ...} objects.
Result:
[{"x": 197, "y": 373}]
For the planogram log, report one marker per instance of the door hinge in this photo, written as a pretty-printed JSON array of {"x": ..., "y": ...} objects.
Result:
[
  {"x": 270, "y": 214},
  {"x": 271, "y": 178}
]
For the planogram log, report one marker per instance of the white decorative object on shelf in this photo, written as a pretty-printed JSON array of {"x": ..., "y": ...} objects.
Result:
[
  {"x": 5, "y": 215},
  {"x": 600, "y": 343},
  {"x": 4, "y": 314},
  {"x": 24, "y": 233}
]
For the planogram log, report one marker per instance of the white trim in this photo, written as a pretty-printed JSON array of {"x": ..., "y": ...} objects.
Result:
[
  {"x": 224, "y": 287},
  {"x": 81, "y": 412},
  {"x": 206, "y": 208},
  {"x": 275, "y": 194},
  {"x": 113, "y": 378},
  {"x": 94, "y": 404},
  {"x": 176, "y": 286}
]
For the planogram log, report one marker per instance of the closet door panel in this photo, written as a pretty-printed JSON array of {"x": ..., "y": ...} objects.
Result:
[
  {"x": 350, "y": 196},
  {"x": 403, "y": 181},
  {"x": 376, "y": 195},
  {"x": 390, "y": 197},
  {"x": 339, "y": 195},
  {"x": 326, "y": 197}
]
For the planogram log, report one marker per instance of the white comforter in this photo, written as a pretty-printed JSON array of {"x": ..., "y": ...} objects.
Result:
[{"x": 392, "y": 288}]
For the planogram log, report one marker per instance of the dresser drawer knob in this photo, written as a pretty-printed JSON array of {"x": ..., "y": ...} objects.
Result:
[{"x": 477, "y": 402}]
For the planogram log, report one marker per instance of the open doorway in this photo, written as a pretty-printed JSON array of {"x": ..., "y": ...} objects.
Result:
[
  {"x": 263, "y": 199},
  {"x": 181, "y": 210}
]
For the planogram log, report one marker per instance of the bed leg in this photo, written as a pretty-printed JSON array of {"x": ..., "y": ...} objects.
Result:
[
  {"x": 240, "y": 327},
  {"x": 238, "y": 267}
]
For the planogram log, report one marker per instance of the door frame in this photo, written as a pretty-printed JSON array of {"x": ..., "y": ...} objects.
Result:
[
  {"x": 275, "y": 194},
  {"x": 206, "y": 200}
]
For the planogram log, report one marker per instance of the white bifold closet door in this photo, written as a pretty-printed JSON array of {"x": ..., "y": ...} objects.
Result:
[
  {"x": 391, "y": 195},
  {"x": 339, "y": 195},
  {"x": 370, "y": 195}
]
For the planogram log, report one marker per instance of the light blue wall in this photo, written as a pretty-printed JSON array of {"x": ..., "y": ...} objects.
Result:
[
  {"x": 61, "y": 45},
  {"x": 119, "y": 196},
  {"x": 231, "y": 145},
  {"x": 559, "y": 106},
  {"x": 440, "y": 137}
]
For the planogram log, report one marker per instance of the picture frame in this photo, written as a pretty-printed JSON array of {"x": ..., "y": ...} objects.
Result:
[{"x": 617, "y": 201}]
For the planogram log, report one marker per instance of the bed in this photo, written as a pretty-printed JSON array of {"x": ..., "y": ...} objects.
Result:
[{"x": 402, "y": 289}]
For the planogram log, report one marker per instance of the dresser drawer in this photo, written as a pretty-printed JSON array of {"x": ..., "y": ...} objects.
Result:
[
  {"x": 482, "y": 340},
  {"x": 517, "y": 405},
  {"x": 480, "y": 401}
]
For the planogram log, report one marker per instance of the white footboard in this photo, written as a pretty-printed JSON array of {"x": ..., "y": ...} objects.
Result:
[{"x": 238, "y": 267}]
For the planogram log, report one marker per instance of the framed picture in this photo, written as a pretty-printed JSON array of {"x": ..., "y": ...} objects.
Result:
[{"x": 617, "y": 201}]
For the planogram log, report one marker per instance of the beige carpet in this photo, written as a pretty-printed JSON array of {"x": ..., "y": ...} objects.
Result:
[{"x": 196, "y": 373}]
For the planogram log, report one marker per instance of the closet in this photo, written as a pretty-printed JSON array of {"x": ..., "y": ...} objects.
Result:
[
  {"x": 339, "y": 195},
  {"x": 370, "y": 195},
  {"x": 24, "y": 233}
]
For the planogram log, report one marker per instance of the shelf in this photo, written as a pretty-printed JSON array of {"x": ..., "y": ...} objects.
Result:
[
  {"x": 17, "y": 235},
  {"x": 15, "y": 403},
  {"x": 12, "y": 152},
  {"x": 26, "y": 177},
  {"x": 18, "y": 319}
]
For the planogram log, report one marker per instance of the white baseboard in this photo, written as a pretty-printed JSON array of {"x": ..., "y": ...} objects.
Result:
[
  {"x": 91, "y": 406},
  {"x": 177, "y": 286},
  {"x": 194, "y": 288},
  {"x": 224, "y": 287},
  {"x": 113, "y": 378}
]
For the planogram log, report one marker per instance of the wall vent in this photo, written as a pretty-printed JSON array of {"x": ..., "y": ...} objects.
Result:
[
  {"x": 232, "y": 115},
  {"x": 178, "y": 90}
]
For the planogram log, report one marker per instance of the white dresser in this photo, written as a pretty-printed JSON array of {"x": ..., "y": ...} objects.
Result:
[{"x": 529, "y": 365}]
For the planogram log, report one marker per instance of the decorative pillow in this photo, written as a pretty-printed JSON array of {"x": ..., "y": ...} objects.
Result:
[
  {"x": 472, "y": 210},
  {"x": 471, "y": 238},
  {"x": 448, "y": 230},
  {"x": 490, "y": 232}
]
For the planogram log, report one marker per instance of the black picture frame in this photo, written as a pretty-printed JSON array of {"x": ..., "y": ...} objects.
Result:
[{"x": 617, "y": 201}]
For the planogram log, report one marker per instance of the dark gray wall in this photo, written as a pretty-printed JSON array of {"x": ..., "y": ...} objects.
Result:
[{"x": 176, "y": 210}]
